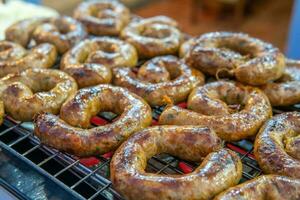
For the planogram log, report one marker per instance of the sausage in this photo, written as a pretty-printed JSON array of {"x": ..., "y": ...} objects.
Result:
[
  {"x": 34, "y": 91},
  {"x": 286, "y": 90},
  {"x": 102, "y": 17},
  {"x": 63, "y": 32},
  {"x": 186, "y": 46},
  {"x": 14, "y": 58},
  {"x": 220, "y": 169},
  {"x": 72, "y": 132},
  {"x": 264, "y": 188},
  {"x": 249, "y": 60},
  {"x": 90, "y": 61},
  {"x": 276, "y": 146},
  {"x": 160, "y": 79},
  {"x": 153, "y": 36},
  {"x": 211, "y": 102}
]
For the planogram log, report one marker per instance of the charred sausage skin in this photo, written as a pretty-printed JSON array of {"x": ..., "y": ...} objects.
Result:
[
  {"x": 63, "y": 32},
  {"x": 155, "y": 36},
  {"x": 90, "y": 61},
  {"x": 286, "y": 90},
  {"x": 71, "y": 132},
  {"x": 210, "y": 101},
  {"x": 249, "y": 60},
  {"x": 14, "y": 58},
  {"x": 34, "y": 91},
  {"x": 265, "y": 187},
  {"x": 160, "y": 78},
  {"x": 102, "y": 17},
  {"x": 220, "y": 169},
  {"x": 276, "y": 146}
]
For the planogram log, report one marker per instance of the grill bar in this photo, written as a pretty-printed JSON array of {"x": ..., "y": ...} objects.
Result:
[{"x": 90, "y": 174}]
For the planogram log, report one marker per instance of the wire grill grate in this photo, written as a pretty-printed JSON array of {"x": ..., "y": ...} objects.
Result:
[{"x": 89, "y": 178}]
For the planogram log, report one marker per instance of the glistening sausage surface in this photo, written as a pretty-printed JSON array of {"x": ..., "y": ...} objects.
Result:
[{"x": 220, "y": 169}]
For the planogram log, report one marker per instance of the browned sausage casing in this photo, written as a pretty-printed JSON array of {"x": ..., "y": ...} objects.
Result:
[
  {"x": 153, "y": 36},
  {"x": 220, "y": 169},
  {"x": 277, "y": 145},
  {"x": 210, "y": 101},
  {"x": 103, "y": 17},
  {"x": 91, "y": 60},
  {"x": 286, "y": 90},
  {"x": 14, "y": 58},
  {"x": 63, "y": 32},
  {"x": 160, "y": 77},
  {"x": 268, "y": 187},
  {"x": 250, "y": 60},
  {"x": 34, "y": 91},
  {"x": 71, "y": 132}
]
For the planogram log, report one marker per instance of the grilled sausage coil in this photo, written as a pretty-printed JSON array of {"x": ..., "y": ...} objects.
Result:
[
  {"x": 263, "y": 188},
  {"x": 286, "y": 90},
  {"x": 91, "y": 60},
  {"x": 250, "y": 60},
  {"x": 34, "y": 91},
  {"x": 63, "y": 32},
  {"x": 276, "y": 147},
  {"x": 220, "y": 169},
  {"x": 14, "y": 58},
  {"x": 103, "y": 17},
  {"x": 154, "y": 36},
  {"x": 210, "y": 103},
  {"x": 160, "y": 77},
  {"x": 71, "y": 132}
]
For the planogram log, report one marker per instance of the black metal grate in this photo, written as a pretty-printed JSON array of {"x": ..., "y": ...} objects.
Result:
[{"x": 93, "y": 182}]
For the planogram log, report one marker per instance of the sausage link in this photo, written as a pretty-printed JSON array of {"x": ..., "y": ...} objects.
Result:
[
  {"x": 34, "y": 91},
  {"x": 14, "y": 58},
  {"x": 63, "y": 32},
  {"x": 104, "y": 17},
  {"x": 220, "y": 169},
  {"x": 263, "y": 188},
  {"x": 211, "y": 99},
  {"x": 160, "y": 77},
  {"x": 90, "y": 61},
  {"x": 276, "y": 146},
  {"x": 250, "y": 60},
  {"x": 286, "y": 90},
  {"x": 71, "y": 132},
  {"x": 153, "y": 36}
]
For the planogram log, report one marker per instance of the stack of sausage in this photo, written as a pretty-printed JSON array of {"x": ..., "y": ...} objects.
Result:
[{"x": 111, "y": 60}]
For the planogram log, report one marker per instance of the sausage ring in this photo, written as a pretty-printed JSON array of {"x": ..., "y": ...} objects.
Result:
[
  {"x": 34, "y": 91},
  {"x": 14, "y": 58},
  {"x": 264, "y": 187},
  {"x": 286, "y": 90},
  {"x": 277, "y": 147},
  {"x": 218, "y": 171},
  {"x": 160, "y": 77},
  {"x": 103, "y": 17},
  {"x": 211, "y": 105},
  {"x": 71, "y": 132},
  {"x": 250, "y": 60},
  {"x": 89, "y": 61},
  {"x": 153, "y": 36},
  {"x": 63, "y": 32}
]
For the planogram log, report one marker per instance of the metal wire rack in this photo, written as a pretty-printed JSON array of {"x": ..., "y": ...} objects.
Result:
[{"x": 89, "y": 178}]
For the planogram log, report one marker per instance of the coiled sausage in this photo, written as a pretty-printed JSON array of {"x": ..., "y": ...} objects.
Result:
[
  {"x": 210, "y": 103},
  {"x": 220, "y": 169}
]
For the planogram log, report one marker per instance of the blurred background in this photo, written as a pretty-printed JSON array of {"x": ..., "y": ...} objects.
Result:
[{"x": 275, "y": 21}]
